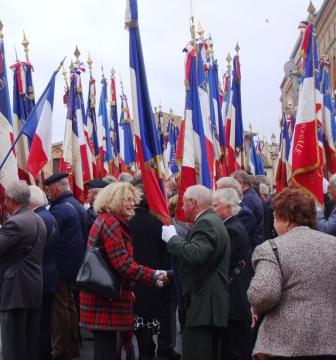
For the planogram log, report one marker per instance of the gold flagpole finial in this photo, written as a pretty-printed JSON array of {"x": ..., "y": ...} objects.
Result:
[
  {"x": 192, "y": 23},
  {"x": 72, "y": 66},
  {"x": 1, "y": 33},
  {"x": 311, "y": 10},
  {"x": 121, "y": 85},
  {"x": 250, "y": 127},
  {"x": 200, "y": 30},
  {"x": 113, "y": 72},
  {"x": 237, "y": 48},
  {"x": 228, "y": 60},
  {"x": 77, "y": 55},
  {"x": 90, "y": 62},
  {"x": 25, "y": 44},
  {"x": 64, "y": 73}
]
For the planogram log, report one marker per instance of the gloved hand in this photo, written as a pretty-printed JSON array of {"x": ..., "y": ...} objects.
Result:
[{"x": 168, "y": 232}]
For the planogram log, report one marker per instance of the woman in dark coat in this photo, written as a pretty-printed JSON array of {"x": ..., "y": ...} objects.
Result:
[{"x": 108, "y": 318}]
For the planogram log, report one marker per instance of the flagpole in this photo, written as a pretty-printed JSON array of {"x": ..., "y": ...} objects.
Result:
[{"x": 21, "y": 131}]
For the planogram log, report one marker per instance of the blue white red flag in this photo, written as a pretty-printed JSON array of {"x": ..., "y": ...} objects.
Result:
[
  {"x": 306, "y": 150},
  {"x": 127, "y": 150},
  {"x": 283, "y": 171},
  {"x": 171, "y": 149},
  {"x": 23, "y": 102},
  {"x": 256, "y": 162},
  {"x": 114, "y": 129},
  {"x": 216, "y": 120},
  {"x": 328, "y": 119},
  {"x": 234, "y": 122},
  {"x": 104, "y": 127},
  {"x": 91, "y": 129},
  {"x": 195, "y": 167},
  {"x": 72, "y": 157},
  {"x": 146, "y": 136},
  {"x": 38, "y": 128},
  {"x": 9, "y": 172}
]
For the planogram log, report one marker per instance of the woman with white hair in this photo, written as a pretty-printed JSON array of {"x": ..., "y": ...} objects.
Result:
[
  {"x": 38, "y": 202},
  {"x": 108, "y": 318},
  {"x": 236, "y": 342}
]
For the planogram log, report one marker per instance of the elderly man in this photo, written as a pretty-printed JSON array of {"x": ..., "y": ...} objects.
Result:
[
  {"x": 324, "y": 223},
  {"x": 252, "y": 200},
  {"x": 245, "y": 215},
  {"x": 71, "y": 219},
  {"x": 203, "y": 263},
  {"x": 93, "y": 186},
  {"x": 22, "y": 238},
  {"x": 236, "y": 342}
]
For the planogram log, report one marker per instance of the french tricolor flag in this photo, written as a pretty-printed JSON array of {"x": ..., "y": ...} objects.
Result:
[
  {"x": 306, "y": 150},
  {"x": 146, "y": 135},
  {"x": 38, "y": 128}
]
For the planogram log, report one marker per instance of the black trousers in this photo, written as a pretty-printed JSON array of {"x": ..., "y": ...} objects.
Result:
[
  {"x": 202, "y": 343},
  {"x": 20, "y": 333},
  {"x": 316, "y": 357},
  {"x": 45, "y": 327},
  {"x": 106, "y": 345},
  {"x": 236, "y": 342}
]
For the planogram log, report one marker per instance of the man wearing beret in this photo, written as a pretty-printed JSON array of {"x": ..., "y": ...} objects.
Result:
[
  {"x": 94, "y": 186},
  {"x": 72, "y": 221}
]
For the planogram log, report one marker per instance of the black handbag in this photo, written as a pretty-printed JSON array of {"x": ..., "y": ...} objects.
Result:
[{"x": 96, "y": 275}]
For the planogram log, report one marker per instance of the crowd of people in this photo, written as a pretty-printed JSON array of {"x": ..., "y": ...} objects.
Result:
[{"x": 247, "y": 273}]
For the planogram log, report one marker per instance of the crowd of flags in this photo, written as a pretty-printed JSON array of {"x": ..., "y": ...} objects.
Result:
[{"x": 101, "y": 138}]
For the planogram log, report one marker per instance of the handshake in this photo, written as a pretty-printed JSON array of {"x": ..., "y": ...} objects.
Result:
[{"x": 162, "y": 277}]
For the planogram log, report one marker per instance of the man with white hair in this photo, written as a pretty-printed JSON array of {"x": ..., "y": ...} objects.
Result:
[
  {"x": 245, "y": 215},
  {"x": 328, "y": 224},
  {"x": 22, "y": 238},
  {"x": 203, "y": 263},
  {"x": 269, "y": 231},
  {"x": 237, "y": 336}
]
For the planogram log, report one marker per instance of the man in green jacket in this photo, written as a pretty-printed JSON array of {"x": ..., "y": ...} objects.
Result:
[{"x": 203, "y": 263}]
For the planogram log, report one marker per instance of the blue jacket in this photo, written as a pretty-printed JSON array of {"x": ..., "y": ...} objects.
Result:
[
  {"x": 249, "y": 221},
  {"x": 326, "y": 225},
  {"x": 50, "y": 248},
  {"x": 253, "y": 201},
  {"x": 70, "y": 250}
]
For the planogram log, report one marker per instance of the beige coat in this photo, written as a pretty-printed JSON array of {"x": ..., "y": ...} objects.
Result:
[{"x": 299, "y": 301}]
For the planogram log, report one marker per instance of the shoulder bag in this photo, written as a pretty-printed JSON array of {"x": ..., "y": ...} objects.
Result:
[{"x": 96, "y": 275}]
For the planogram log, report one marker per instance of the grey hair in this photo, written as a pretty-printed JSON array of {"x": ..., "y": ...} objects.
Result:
[
  {"x": 201, "y": 194},
  {"x": 110, "y": 179},
  {"x": 37, "y": 196},
  {"x": 62, "y": 184},
  {"x": 264, "y": 189},
  {"x": 125, "y": 177},
  {"x": 332, "y": 180},
  {"x": 242, "y": 176},
  {"x": 229, "y": 182},
  {"x": 19, "y": 192},
  {"x": 228, "y": 196}
]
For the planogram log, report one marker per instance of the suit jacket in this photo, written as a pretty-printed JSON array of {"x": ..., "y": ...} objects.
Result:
[
  {"x": 50, "y": 249},
  {"x": 326, "y": 224},
  {"x": 22, "y": 238},
  {"x": 298, "y": 297},
  {"x": 204, "y": 288},
  {"x": 252, "y": 200},
  {"x": 239, "y": 308}
]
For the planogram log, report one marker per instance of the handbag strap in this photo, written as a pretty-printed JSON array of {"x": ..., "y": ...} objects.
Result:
[
  {"x": 275, "y": 251},
  {"x": 96, "y": 239}
]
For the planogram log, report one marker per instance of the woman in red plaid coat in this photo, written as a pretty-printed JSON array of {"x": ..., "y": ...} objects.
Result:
[{"x": 111, "y": 321}]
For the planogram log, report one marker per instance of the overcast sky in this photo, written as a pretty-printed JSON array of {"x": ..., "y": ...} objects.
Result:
[{"x": 265, "y": 29}]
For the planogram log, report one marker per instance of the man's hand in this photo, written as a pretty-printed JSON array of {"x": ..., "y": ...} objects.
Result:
[{"x": 168, "y": 232}]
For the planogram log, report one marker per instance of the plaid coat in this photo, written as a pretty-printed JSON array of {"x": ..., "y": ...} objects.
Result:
[{"x": 107, "y": 315}]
